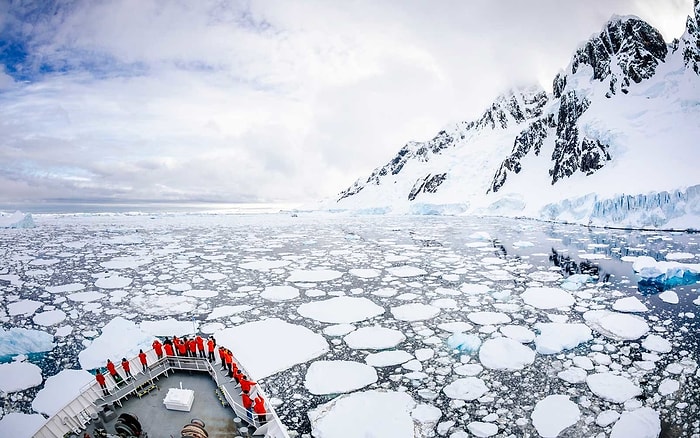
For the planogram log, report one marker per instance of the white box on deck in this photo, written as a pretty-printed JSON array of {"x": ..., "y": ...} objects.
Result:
[{"x": 179, "y": 399}]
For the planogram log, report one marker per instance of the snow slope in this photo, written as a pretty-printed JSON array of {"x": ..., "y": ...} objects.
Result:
[{"x": 615, "y": 144}]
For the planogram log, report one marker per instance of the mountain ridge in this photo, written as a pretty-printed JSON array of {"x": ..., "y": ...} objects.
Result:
[{"x": 617, "y": 105}]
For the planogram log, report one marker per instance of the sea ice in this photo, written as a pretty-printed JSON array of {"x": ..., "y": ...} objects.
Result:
[
  {"x": 265, "y": 265},
  {"x": 415, "y": 312},
  {"x": 466, "y": 388},
  {"x": 382, "y": 414},
  {"x": 223, "y": 311},
  {"x": 640, "y": 423},
  {"x": 51, "y": 317},
  {"x": 656, "y": 343},
  {"x": 388, "y": 358},
  {"x": 611, "y": 387},
  {"x": 18, "y": 425},
  {"x": 455, "y": 327},
  {"x": 164, "y": 304},
  {"x": 24, "y": 307},
  {"x": 365, "y": 273},
  {"x": 113, "y": 282},
  {"x": 72, "y": 287},
  {"x": 664, "y": 272},
  {"x": 119, "y": 338},
  {"x": 168, "y": 327},
  {"x": 482, "y": 429},
  {"x": 16, "y": 220},
  {"x": 18, "y": 376},
  {"x": 126, "y": 262},
  {"x": 629, "y": 304},
  {"x": 669, "y": 297},
  {"x": 313, "y": 276},
  {"x": 488, "y": 318},
  {"x": 669, "y": 386},
  {"x": 406, "y": 271},
  {"x": 553, "y": 414},
  {"x": 547, "y": 297},
  {"x": 466, "y": 343},
  {"x": 86, "y": 297},
  {"x": 280, "y": 293},
  {"x": 338, "y": 329},
  {"x": 518, "y": 332},
  {"x": 555, "y": 337},
  {"x": 341, "y": 310},
  {"x": 22, "y": 341},
  {"x": 291, "y": 344},
  {"x": 607, "y": 418},
  {"x": 505, "y": 354},
  {"x": 374, "y": 338},
  {"x": 338, "y": 376},
  {"x": 573, "y": 375},
  {"x": 618, "y": 326},
  {"x": 59, "y": 390},
  {"x": 200, "y": 293}
]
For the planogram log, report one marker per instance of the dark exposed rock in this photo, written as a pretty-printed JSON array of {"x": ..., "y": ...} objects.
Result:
[
  {"x": 428, "y": 184},
  {"x": 632, "y": 44}
]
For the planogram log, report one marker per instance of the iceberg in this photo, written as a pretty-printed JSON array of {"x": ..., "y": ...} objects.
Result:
[
  {"x": 661, "y": 275},
  {"x": 16, "y": 220},
  {"x": 464, "y": 343},
  {"x": 23, "y": 341}
]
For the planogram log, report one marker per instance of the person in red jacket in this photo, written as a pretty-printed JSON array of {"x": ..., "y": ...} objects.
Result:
[
  {"x": 127, "y": 368},
  {"x": 158, "y": 348},
  {"x": 142, "y": 358},
  {"x": 169, "y": 349},
  {"x": 200, "y": 346},
  {"x": 182, "y": 348},
  {"x": 235, "y": 371},
  {"x": 246, "y": 384},
  {"x": 228, "y": 359},
  {"x": 259, "y": 408},
  {"x": 101, "y": 380},
  {"x": 222, "y": 354},
  {"x": 113, "y": 372},
  {"x": 247, "y": 404},
  {"x": 192, "y": 348},
  {"x": 210, "y": 349}
]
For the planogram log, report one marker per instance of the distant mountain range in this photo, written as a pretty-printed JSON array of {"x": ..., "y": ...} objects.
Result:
[{"x": 617, "y": 143}]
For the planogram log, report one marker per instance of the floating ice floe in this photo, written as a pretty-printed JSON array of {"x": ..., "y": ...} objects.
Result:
[
  {"x": 59, "y": 390},
  {"x": 18, "y": 376},
  {"x": 466, "y": 343},
  {"x": 72, "y": 287},
  {"x": 669, "y": 386},
  {"x": 16, "y": 220},
  {"x": 505, "y": 354},
  {"x": 656, "y": 343},
  {"x": 213, "y": 276},
  {"x": 556, "y": 337},
  {"x": 223, "y": 311},
  {"x": 22, "y": 341},
  {"x": 640, "y": 423},
  {"x": 669, "y": 297},
  {"x": 474, "y": 289},
  {"x": 629, "y": 304},
  {"x": 575, "y": 281},
  {"x": 388, "y": 358},
  {"x": 519, "y": 333},
  {"x": 466, "y": 388},
  {"x": 168, "y": 327},
  {"x": 406, "y": 271},
  {"x": 341, "y": 310},
  {"x": 488, "y": 318},
  {"x": 573, "y": 375},
  {"x": 611, "y": 387},
  {"x": 338, "y": 376},
  {"x": 48, "y": 318},
  {"x": 164, "y": 304},
  {"x": 553, "y": 414},
  {"x": 679, "y": 256},
  {"x": 290, "y": 344},
  {"x": 113, "y": 282},
  {"x": 618, "y": 326},
  {"x": 365, "y": 273},
  {"x": 24, "y": 307},
  {"x": 280, "y": 293},
  {"x": 86, "y": 297},
  {"x": 338, "y": 329},
  {"x": 119, "y": 338},
  {"x": 666, "y": 272},
  {"x": 547, "y": 297},
  {"x": 456, "y": 326},
  {"x": 545, "y": 276},
  {"x": 415, "y": 312},
  {"x": 18, "y": 425},
  {"x": 383, "y": 414},
  {"x": 482, "y": 429},
  {"x": 200, "y": 293},
  {"x": 126, "y": 262},
  {"x": 265, "y": 265},
  {"x": 313, "y": 276},
  {"x": 374, "y": 338}
]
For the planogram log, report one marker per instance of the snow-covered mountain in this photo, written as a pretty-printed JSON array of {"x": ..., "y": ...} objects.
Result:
[{"x": 615, "y": 143}]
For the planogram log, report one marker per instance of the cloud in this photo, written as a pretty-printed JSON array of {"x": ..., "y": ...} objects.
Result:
[{"x": 261, "y": 100}]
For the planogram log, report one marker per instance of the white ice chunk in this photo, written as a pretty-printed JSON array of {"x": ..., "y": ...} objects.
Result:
[
  {"x": 374, "y": 338},
  {"x": 415, "y": 312},
  {"x": 280, "y": 293},
  {"x": 466, "y": 388},
  {"x": 18, "y": 425},
  {"x": 669, "y": 297},
  {"x": 611, "y": 387},
  {"x": 113, "y": 282},
  {"x": 313, "y": 276},
  {"x": 51, "y": 317},
  {"x": 22, "y": 341},
  {"x": 488, "y": 318},
  {"x": 518, "y": 332},
  {"x": 388, "y": 358},
  {"x": 72, "y": 287},
  {"x": 59, "y": 390},
  {"x": 167, "y": 327},
  {"x": 573, "y": 375},
  {"x": 24, "y": 307},
  {"x": 505, "y": 354},
  {"x": 607, "y": 418},
  {"x": 556, "y": 337},
  {"x": 669, "y": 386},
  {"x": 382, "y": 414},
  {"x": 338, "y": 329},
  {"x": 365, "y": 273},
  {"x": 223, "y": 311},
  {"x": 119, "y": 338},
  {"x": 482, "y": 429},
  {"x": 629, "y": 304},
  {"x": 86, "y": 297},
  {"x": 341, "y": 310},
  {"x": 553, "y": 414},
  {"x": 618, "y": 326},
  {"x": 406, "y": 271},
  {"x": 640, "y": 423},
  {"x": 18, "y": 376},
  {"x": 338, "y": 376},
  {"x": 656, "y": 343},
  {"x": 265, "y": 265},
  {"x": 547, "y": 297}
]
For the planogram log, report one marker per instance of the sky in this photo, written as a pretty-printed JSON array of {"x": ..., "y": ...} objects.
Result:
[{"x": 129, "y": 101}]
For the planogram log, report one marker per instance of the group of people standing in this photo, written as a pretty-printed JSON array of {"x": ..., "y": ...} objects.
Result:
[{"x": 194, "y": 347}]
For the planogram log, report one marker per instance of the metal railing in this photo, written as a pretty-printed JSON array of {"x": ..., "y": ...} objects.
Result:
[{"x": 79, "y": 412}]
